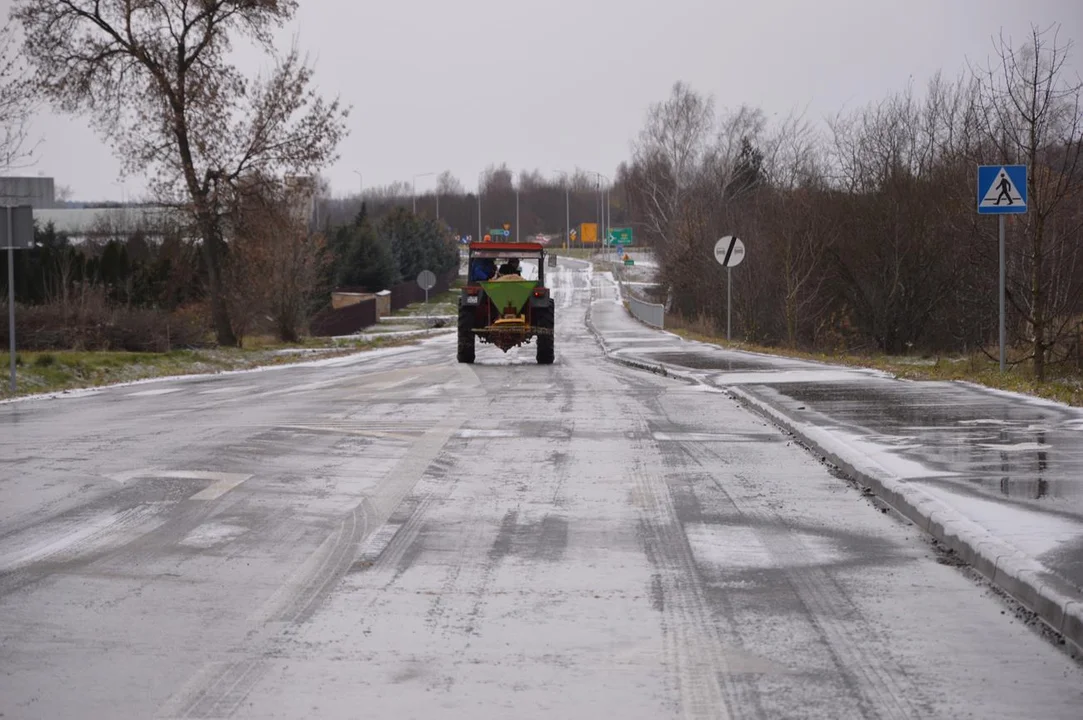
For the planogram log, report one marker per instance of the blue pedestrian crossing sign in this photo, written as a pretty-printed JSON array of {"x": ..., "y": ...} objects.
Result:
[{"x": 1002, "y": 189}]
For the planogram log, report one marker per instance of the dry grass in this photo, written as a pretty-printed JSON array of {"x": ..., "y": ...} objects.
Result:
[{"x": 41, "y": 372}]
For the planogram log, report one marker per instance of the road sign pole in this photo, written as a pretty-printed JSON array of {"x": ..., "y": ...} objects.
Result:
[
  {"x": 1005, "y": 184},
  {"x": 1003, "y": 282},
  {"x": 729, "y": 297},
  {"x": 11, "y": 294},
  {"x": 729, "y": 251}
]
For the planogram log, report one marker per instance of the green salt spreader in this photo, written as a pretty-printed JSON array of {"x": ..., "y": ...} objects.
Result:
[{"x": 507, "y": 310}]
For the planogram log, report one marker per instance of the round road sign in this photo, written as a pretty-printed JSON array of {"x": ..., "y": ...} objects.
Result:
[
  {"x": 426, "y": 280},
  {"x": 729, "y": 251}
]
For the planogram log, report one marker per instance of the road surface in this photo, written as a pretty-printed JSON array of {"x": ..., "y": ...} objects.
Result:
[{"x": 395, "y": 535}]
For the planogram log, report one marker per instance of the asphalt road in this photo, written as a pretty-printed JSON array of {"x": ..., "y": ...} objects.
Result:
[{"x": 394, "y": 535}]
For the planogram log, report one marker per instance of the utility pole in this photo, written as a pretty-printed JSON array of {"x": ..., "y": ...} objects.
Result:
[
  {"x": 480, "y": 236},
  {"x": 517, "y": 238}
]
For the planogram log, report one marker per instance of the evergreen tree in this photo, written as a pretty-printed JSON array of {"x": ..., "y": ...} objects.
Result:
[{"x": 362, "y": 257}]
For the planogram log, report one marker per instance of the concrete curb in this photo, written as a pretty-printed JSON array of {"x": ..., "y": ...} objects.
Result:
[
  {"x": 1054, "y": 600},
  {"x": 658, "y": 369}
]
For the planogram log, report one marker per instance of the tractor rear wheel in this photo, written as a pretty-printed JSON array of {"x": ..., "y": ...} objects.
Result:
[
  {"x": 466, "y": 349},
  {"x": 545, "y": 319}
]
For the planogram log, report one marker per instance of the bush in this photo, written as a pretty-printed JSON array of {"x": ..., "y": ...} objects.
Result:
[
  {"x": 92, "y": 325},
  {"x": 45, "y": 360}
]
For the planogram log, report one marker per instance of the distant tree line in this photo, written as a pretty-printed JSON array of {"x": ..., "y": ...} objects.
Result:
[{"x": 544, "y": 202}]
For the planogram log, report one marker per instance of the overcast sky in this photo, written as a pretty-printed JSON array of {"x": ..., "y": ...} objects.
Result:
[{"x": 560, "y": 84}]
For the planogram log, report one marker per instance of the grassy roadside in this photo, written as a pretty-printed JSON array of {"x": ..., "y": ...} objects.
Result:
[
  {"x": 445, "y": 303},
  {"x": 42, "y": 372},
  {"x": 977, "y": 368}
]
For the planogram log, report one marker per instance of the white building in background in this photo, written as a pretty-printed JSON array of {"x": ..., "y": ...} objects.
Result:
[
  {"x": 121, "y": 221},
  {"x": 84, "y": 223},
  {"x": 108, "y": 223},
  {"x": 37, "y": 192}
]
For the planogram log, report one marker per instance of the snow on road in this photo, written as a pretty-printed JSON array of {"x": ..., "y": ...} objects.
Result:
[{"x": 417, "y": 538}]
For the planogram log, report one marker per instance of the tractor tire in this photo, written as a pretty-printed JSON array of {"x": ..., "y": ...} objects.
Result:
[
  {"x": 545, "y": 318},
  {"x": 466, "y": 349}
]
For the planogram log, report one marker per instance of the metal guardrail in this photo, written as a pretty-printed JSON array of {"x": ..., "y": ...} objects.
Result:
[{"x": 649, "y": 313}]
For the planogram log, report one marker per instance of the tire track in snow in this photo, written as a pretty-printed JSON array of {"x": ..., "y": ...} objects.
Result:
[
  {"x": 882, "y": 687},
  {"x": 219, "y": 688},
  {"x": 693, "y": 646}
]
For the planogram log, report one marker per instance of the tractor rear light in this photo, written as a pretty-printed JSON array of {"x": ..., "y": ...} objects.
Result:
[
  {"x": 540, "y": 293},
  {"x": 472, "y": 290}
]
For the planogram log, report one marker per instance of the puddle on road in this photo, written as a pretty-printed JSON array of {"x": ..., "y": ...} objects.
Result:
[
  {"x": 708, "y": 361},
  {"x": 1023, "y": 451}
]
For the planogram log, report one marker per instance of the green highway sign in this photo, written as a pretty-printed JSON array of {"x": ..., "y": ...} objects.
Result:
[{"x": 620, "y": 236}]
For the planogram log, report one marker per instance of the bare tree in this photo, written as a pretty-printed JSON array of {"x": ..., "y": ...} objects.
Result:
[
  {"x": 157, "y": 80},
  {"x": 16, "y": 103},
  {"x": 448, "y": 184},
  {"x": 1034, "y": 115},
  {"x": 799, "y": 234},
  {"x": 670, "y": 150}
]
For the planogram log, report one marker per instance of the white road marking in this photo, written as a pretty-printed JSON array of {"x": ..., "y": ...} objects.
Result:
[
  {"x": 222, "y": 391},
  {"x": 123, "y": 477},
  {"x": 207, "y": 536},
  {"x": 487, "y": 433},
  {"x": 223, "y": 484},
  {"x": 149, "y": 393}
]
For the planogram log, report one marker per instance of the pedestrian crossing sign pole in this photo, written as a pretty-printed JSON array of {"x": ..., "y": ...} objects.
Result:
[{"x": 1002, "y": 190}]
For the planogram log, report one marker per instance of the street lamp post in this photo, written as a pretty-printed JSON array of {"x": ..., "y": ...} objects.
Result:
[
  {"x": 567, "y": 210},
  {"x": 479, "y": 208},
  {"x": 517, "y": 238},
  {"x": 413, "y": 188},
  {"x": 360, "y": 191},
  {"x": 603, "y": 195}
]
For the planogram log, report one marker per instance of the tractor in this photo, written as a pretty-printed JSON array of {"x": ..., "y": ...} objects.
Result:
[{"x": 505, "y": 301}]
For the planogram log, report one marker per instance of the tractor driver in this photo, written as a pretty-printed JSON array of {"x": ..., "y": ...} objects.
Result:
[
  {"x": 511, "y": 267},
  {"x": 482, "y": 269}
]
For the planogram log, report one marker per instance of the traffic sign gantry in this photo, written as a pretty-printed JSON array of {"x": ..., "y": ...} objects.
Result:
[{"x": 1002, "y": 189}]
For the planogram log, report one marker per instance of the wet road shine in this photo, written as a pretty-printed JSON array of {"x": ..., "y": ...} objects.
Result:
[{"x": 397, "y": 536}]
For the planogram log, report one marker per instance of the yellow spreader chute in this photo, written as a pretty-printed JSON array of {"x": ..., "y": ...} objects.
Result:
[{"x": 508, "y": 295}]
